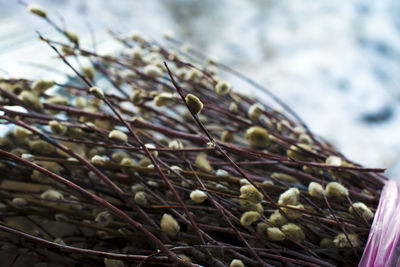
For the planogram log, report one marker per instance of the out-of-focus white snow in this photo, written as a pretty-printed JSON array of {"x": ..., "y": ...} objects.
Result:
[{"x": 334, "y": 62}]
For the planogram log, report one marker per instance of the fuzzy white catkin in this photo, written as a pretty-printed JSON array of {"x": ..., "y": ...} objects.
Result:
[
  {"x": 333, "y": 160},
  {"x": 96, "y": 91},
  {"x": 202, "y": 163},
  {"x": 128, "y": 162},
  {"x": 250, "y": 193},
  {"x": 153, "y": 71},
  {"x": 362, "y": 209},
  {"x": 222, "y": 88},
  {"x": 221, "y": 173},
  {"x": 118, "y": 136},
  {"x": 293, "y": 231},
  {"x": 152, "y": 146},
  {"x": 99, "y": 160},
  {"x": 341, "y": 241},
  {"x": 198, "y": 196},
  {"x": 284, "y": 177},
  {"x": 257, "y": 136},
  {"x": 164, "y": 99},
  {"x": 334, "y": 189},
  {"x": 18, "y": 202},
  {"x": 244, "y": 181},
  {"x": 275, "y": 234},
  {"x": 52, "y": 195},
  {"x": 293, "y": 211},
  {"x": 236, "y": 263},
  {"x": 255, "y": 111},
  {"x": 37, "y": 10},
  {"x": 140, "y": 198},
  {"x": 103, "y": 218},
  {"x": 289, "y": 197},
  {"x": 72, "y": 35},
  {"x": 176, "y": 168},
  {"x": 21, "y": 132},
  {"x": 169, "y": 225},
  {"x": 42, "y": 85},
  {"x": 277, "y": 219},
  {"x": 249, "y": 217},
  {"x": 175, "y": 144},
  {"x": 315, "y": 190},
  {"x": 194, "y": 103},
  {"x": 57, "y": 127}
]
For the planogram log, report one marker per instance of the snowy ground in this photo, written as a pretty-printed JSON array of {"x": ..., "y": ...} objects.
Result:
[{"x": 337, "y": 63}]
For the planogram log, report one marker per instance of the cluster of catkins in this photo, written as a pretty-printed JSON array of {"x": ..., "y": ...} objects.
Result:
[{"x": 142, "y": 158}]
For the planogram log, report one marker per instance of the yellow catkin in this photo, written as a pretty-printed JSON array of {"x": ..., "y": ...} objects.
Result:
[
  {"x": 136, "y": 188},
  {"x": 72, "y": 36},
  {"x": 119, "y": 155},
  {"x": 140, "y": 198},
  {"x": 249, "y": 217},
  {"x": 315, "y": 190},
  {"x": 255, "y": 111},
  {"x": 257, "y": 136},
  {"x": 164, "y": 99},
  {"x": 250, "y": 193},
  {"x": 128, "y": 162},
  {"x": 42, "y": 85},
  {"x": 251, "y": 206},
  {"x": 294, "y": 152},
  {"x": 18, "y": 202},
  {"x": 119, "y": 136},
  {"x": 96, "y": 91},
  {"x": 192, "y": 75},
  {"x": 362, "y": 209},
  {"x": 175, "y": 144},
  {"x": 341, "y": 240},
  {"x": 293, "y": 211},
  {"x": 169, "y": 225},
  {"x": 198, "y": 196},
  {"x": 289, "y": 197},
  {"x": 89, "y": 72},
  {"x": 275, "y": 234},
  {"x": 284, "y": 177},
  {"x": 37, "y": 10},
  {"x": 52, "y": 195},
  {"x": 262, "y": 228},
  {"x": 326, "y": 243},
  {"x": 336, "y": 190},
  {"x": 153, "y": 71},
  {"x": 194, "y": 103},
  {"x": 42, "y": 147},
  {"x": 21, "y": 132},
  {"x": 293, "y": 231},
  {"x": 103, "y": 218},
  {"x": 202, "y": 163},
  {"x": 333, "y": 160},
  {"x": 277, "y": 219},
  {"x": 57, "y": 128},
  {"x": 152, "y": 148},
  {"x": 227, "y": 136},
  {"x": 98, "y": 160},
  {"x": 222, "y": 88},
  {"x": 31, "y": 100},
  {"x": 236, "y": 263}
]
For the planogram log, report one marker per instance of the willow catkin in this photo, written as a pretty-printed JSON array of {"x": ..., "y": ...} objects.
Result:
[{"x": 125, "y": 168}]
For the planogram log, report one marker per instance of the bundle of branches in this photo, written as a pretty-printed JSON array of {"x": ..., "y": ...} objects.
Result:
[{"x": 164, "y": 165}]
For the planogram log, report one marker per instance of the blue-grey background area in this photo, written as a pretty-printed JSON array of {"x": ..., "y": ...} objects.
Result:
[{"x": 336, "y": 63}]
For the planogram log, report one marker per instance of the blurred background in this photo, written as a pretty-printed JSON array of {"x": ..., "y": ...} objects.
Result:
[{"x": 336, "y": 63}]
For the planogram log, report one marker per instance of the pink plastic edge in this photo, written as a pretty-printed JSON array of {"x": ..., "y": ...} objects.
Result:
[{"x": 383, "y": 248}]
